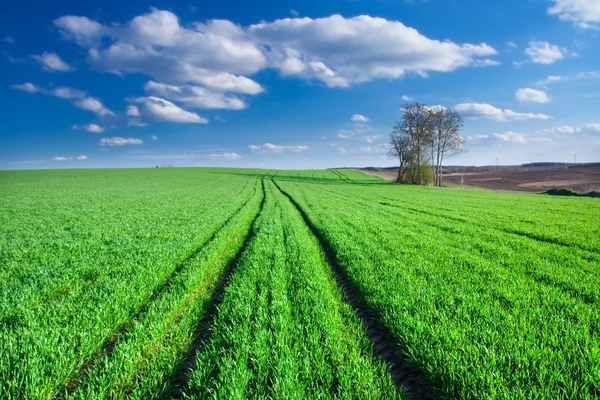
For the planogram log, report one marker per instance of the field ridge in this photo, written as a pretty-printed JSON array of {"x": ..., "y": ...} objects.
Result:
[{"x": 405, "y": 376}]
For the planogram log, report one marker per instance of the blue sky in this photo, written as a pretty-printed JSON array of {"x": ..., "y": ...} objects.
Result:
[{"x": 293, "y": 84}]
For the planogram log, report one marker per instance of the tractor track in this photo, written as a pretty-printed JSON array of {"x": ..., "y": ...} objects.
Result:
[
  {"x": 203, "y": 332},
  {"x": 109, "y": 344},
  {"x": 406, "y": 377}
]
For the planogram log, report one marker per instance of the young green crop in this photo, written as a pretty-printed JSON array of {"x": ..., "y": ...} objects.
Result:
[
  {"x": 484, "y": 311},
  {"x": 82, "y": 252},
  {"x": 106, "y": 277},
  {"x": 283, "y": 330}
]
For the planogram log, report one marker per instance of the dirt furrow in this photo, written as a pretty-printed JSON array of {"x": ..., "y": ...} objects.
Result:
[
  {"x": 203, "y": 331},
  {"x": 385, "y": 346},
  {"x": 108, "y": 346}
]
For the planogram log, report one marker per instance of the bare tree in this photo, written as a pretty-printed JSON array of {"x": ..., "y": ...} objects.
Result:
[
  {"x": 416, "y": 125},
  {"x": 402, "y": 149},
  {"x": 445, "y": 140}
]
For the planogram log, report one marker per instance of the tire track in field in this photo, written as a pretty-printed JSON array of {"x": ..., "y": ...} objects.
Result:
[
  {"x": 385, "y": 346},
  {"x": 109, "y": 344},
  {"x": 203, "y": 331}
]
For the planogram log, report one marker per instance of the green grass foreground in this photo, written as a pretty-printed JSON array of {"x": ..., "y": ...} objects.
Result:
[{"x": 106, "y": 277}]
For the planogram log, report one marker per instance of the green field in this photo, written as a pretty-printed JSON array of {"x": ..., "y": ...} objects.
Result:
[{"x": 235, "y": 283}]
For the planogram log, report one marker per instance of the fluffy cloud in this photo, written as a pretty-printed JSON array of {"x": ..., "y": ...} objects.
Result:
[
  {"x": 82, "y": 157},
  {"x": 345, "y": 134},
  {"x": 27, "y": 87},
  {"x": 476, "y": 110},
  {"x": 82, "y": 30},
  {"x": 93, "y": 128},
  {"x": 52, "y": 62},
  {"x": 340, "y": 51},
  {"x": 583, "y": 13},
  {"x": 381, "y": 148},
  {"x": 154, "y": 137},
  {"x": 226, "y": 156},
  {"x": 595, "y": 128},
  {"x": 67, "y": 93},
  {"x": 94, "y": 105},
  {"x": 551, "y": 79},
  {"x": 272, "y": 148},
  {"x": 369, "y": 138},
  {"x": 133, "y": 111},
  {"x": 407, "y": 98},
  {"x": 62, "y": 159},
  {"x": 510, "y": 137},
  {"x": 570, "y": 130},
  {"x": 543, "y": 52},
  {"x": 218, "y": 53},
  {"x": 163, "y": 110},
  {"x": 359, "y": 118},
  {"x": 525, "y": 95},
  {"x": 562, "y": 130},
  {"x": 83, "y": 102},
  {"x": 155, "y": 44},
  {"x": 119, "y": 141},
  {"x": 195, "y": 96}
]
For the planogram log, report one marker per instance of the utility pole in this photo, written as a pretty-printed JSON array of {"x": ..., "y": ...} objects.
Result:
[{"x": 575, "y": 158}]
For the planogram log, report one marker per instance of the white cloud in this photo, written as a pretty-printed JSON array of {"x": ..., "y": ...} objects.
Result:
[
  {"x": 133, "y": 111},
  {"x": 525, "y": 95},
  {"x": 27, "y": 87},
  {"x": 407, "y": 98},
  {"x": 154, "y": 137},
  {"x": 592, "y": 128},
  {"x": 81, "y": 157},
  {"x": 119, "y": 141},
  {"x": 476, "y": 137},
  {"x": 345, "y": 134},
  {"x": 93, "y": 128},
  {"x": 213, "y": 54},
  {"x": 272, "y": 148},
  {"x": 359, "y": 118},
  {"x": 563, "y": 130},
  {"x": 163, "y": 110},
  {"x": 381, "y": 148},
  {"x": 294, "y": 13},
  {"x": 551, "y": 79},
  {"x": 341, "y": 51},
  {"x": 475, "y": 110},
  {"x": 512, "y": 44},
  {"x": 83, "y": 102},
  {"x": 67, "y": 93},
  {"x": 94, "y": 105},
  {"x": 544, "y": 53},
  {"x": 82, "y": 30},
  {"x": 136, "y": 122},
  {"x": 52, "y": 62},
  {"x": 588, "y": 75},
  {"x": 510, "y": 137},
  {"x": 486, "y": 62},
  {"x": 62, "y": 159},
  {"x": 8, "y": 39},
  {"x": 369, "y": 138},
  {"x": 583, "y": 13},
  {"x": 226, "y": 156},
  {"x": 195, "y": 96}
]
